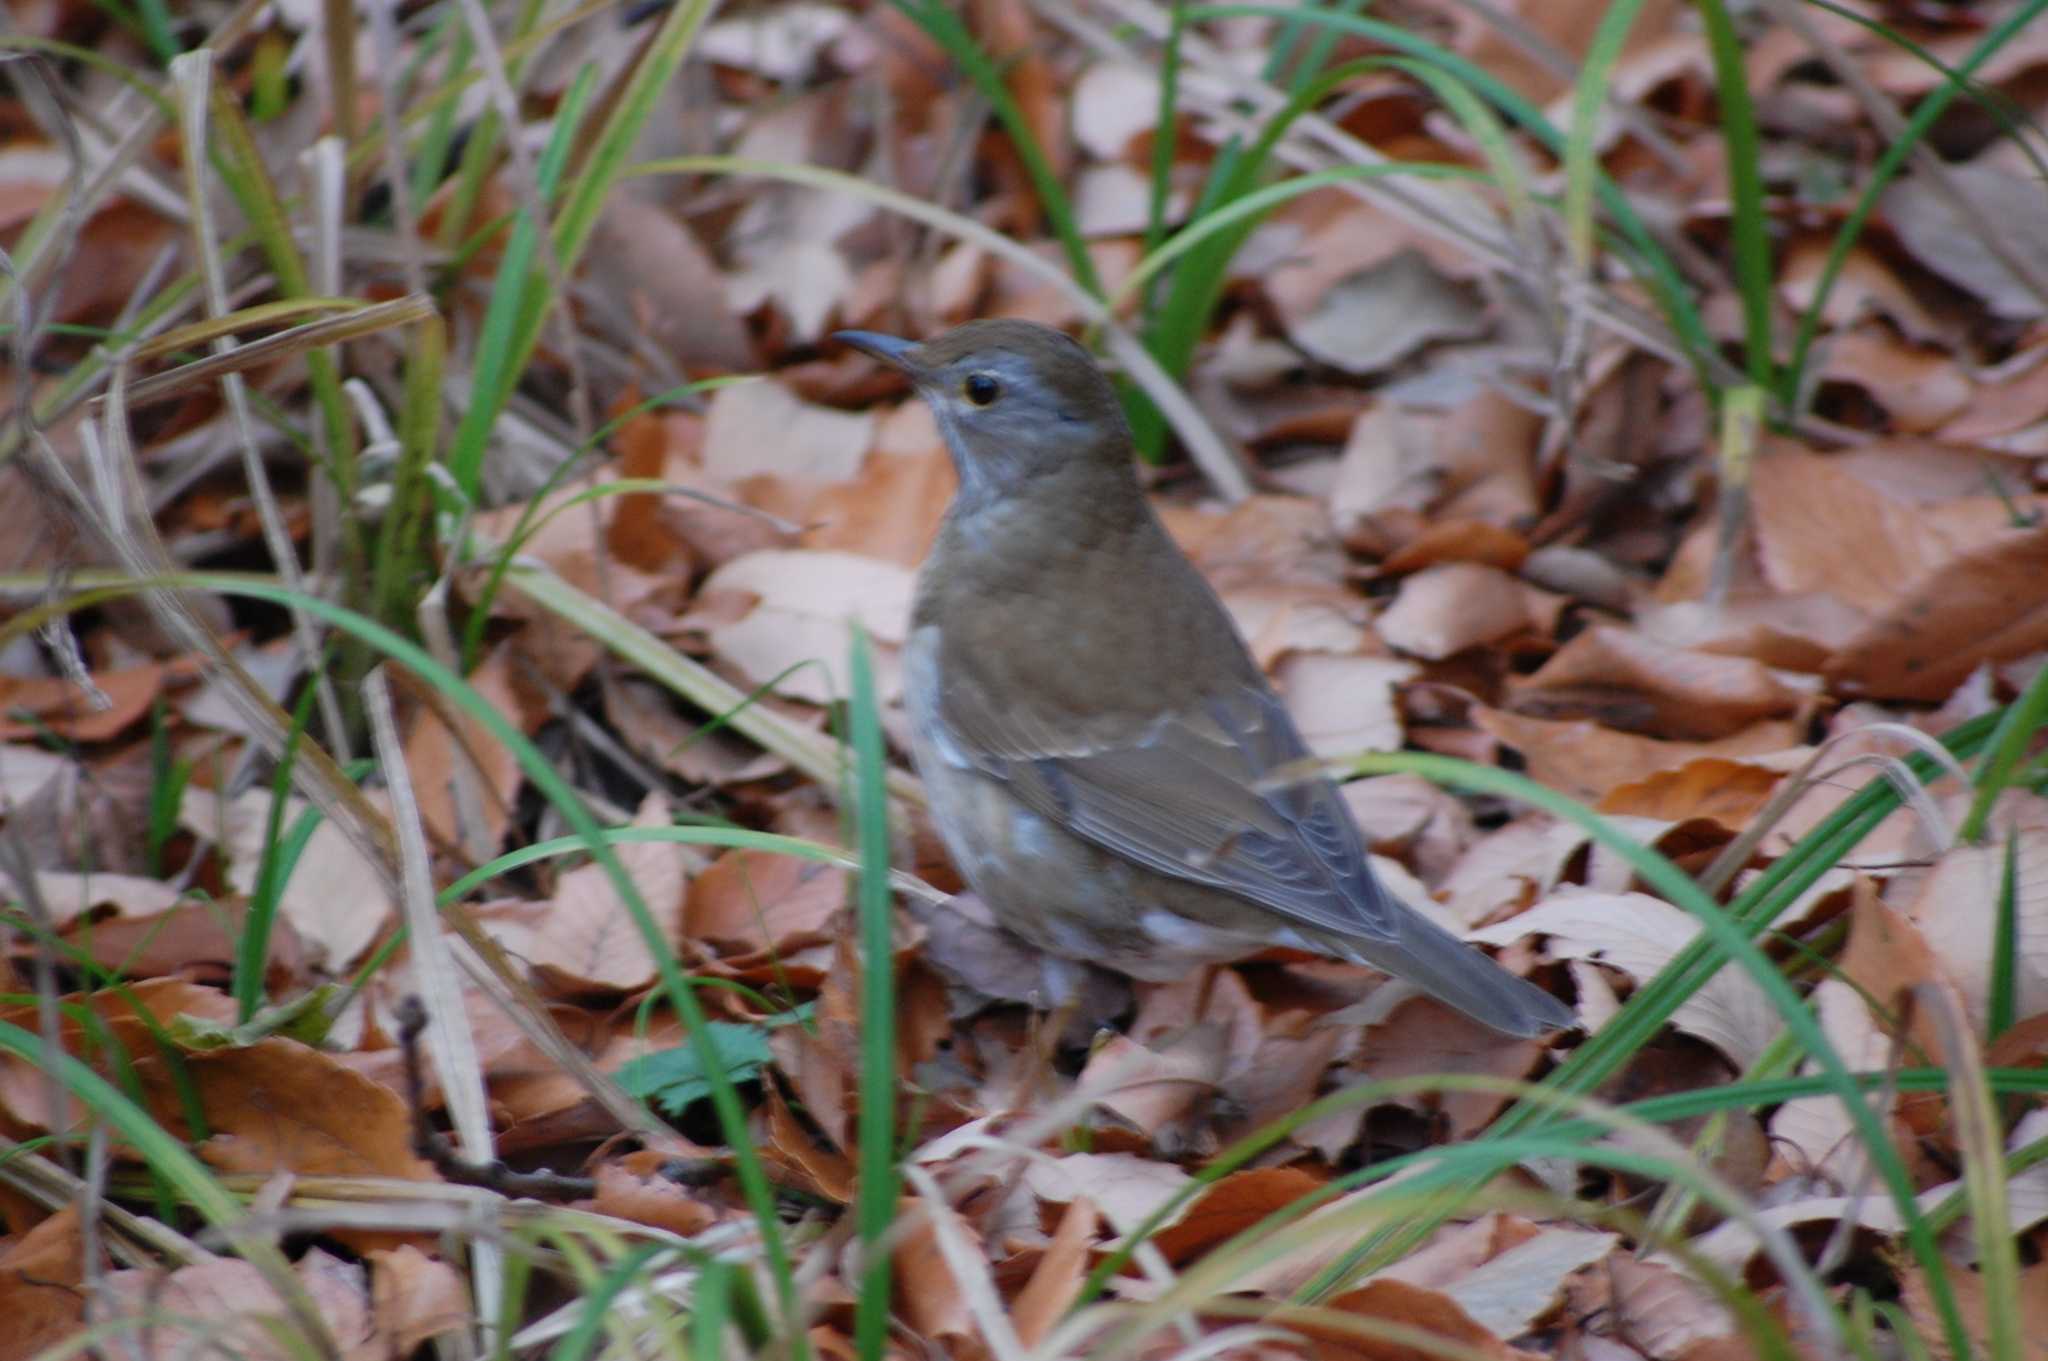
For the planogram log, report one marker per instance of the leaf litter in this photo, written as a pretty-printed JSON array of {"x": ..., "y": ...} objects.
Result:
[{"x": 1460, "y": 545}]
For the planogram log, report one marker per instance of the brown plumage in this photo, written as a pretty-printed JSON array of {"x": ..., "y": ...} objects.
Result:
[{"x": 1091, "y": 730}]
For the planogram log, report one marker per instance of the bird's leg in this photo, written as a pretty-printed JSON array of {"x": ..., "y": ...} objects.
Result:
[{"x": 1062, "y": 984}]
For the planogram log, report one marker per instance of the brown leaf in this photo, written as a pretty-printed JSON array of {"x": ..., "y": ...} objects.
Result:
[
  {"x": 1662, "y": 1311},
  {"x": 31, "y": 707},
  {"x": 635, "y": 1188},
  {"x": 25, "y": 1089},
  {"x": 1968, "y": 1286},
  {"x": 588, "y": 939},
  {"x": 927, "y": 1294},
  {"x": 414, "y": 1297},
  {"x": 1729, "y": 792},
  {"x": 1422, "y": 1037},
  {"x": 1988, "y": 602},
  {"x": 1411, "y": 1306},
  {"x": 1631, "y": 683},
  {"x": 230, "y": 1302},
  {"x": 1474, "y": 541},
  {"x": 753, "y": 901},
  {"x": 1231, "y": 1205},
  {"x": 796, "y": 634},
  {"x": 196, "y": 938},
  {"x": 42, "y": 1277},
  {"x": 471, "y": 769},
  {"x": 281, "y": 1106},
  {"x": 1443, "y": 610},
  {"x": 1056, "y": 1282},
  {"x": 1588, "y": 761}
]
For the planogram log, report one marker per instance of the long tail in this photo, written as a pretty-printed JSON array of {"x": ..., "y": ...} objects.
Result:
[{"x": 1458, "y": 975}]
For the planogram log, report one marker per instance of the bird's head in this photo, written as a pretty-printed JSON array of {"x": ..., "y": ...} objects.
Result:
[{"x": 1014, "y": 400}]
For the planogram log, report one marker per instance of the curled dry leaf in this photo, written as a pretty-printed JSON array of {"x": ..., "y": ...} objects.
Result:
[
  {"x": 1411, "y": 1306},
  {"x": 637, "y": 1188},
  {"x": 1919, "y": 389},
  {"x": 1510, "y": 867},
  {"x": 467, "y": 781},
  {"x": 1729, "y": 792},
  {"x": 928, "y": 1294},
  {"x": 1056, "y": 1282}
]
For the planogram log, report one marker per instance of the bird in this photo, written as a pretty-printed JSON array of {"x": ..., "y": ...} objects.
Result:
[{"x": 1107, "y": 766}]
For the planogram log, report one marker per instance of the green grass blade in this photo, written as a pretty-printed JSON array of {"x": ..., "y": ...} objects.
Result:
[
  {"x": 1751, "y": 220},
  {"x": 875, "y": 1203},
  {"x": 1648, "y": 260},
  {"x": 519, "y": 295},
  {"x": 942, "y": 23},
  {"x": 273, "y": 872},
  {"x": 1887, "y": 168}
]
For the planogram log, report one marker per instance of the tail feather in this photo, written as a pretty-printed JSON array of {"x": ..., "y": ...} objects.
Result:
[{"x": 1459, "y": 976}]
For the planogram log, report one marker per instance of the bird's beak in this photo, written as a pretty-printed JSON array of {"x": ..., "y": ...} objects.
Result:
[{"x": 891, "y": 350}]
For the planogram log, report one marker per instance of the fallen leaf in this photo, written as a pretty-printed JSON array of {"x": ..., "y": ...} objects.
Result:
[
  {"x": 762, "y": 429},
  {"x": 230, "y": 1303},
  {"x": 1628, "y": 682},
  {"x": 587, "y": 938},
  {"x": 1056, "y": 1282},
  {"x": 1428, "y": 1311},
  {"x": 753, "y": 901},
  {"x": 42, "y": 1286},
  {"x": 35, "y": 706},
  {"x": 1638, "y": 935},
  {"x": 1384, "y": 312},
  {"x": 796, "y": 635},
  {"x": 1926, "y": 218},
  {"x": 1442, "y": 610}
]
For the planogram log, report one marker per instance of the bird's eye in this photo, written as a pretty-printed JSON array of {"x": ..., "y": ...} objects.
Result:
[{"x": 981, "y": 388}]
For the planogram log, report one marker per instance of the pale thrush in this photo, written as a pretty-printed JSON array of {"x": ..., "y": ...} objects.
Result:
[{"x": 1094, "y": 737}]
